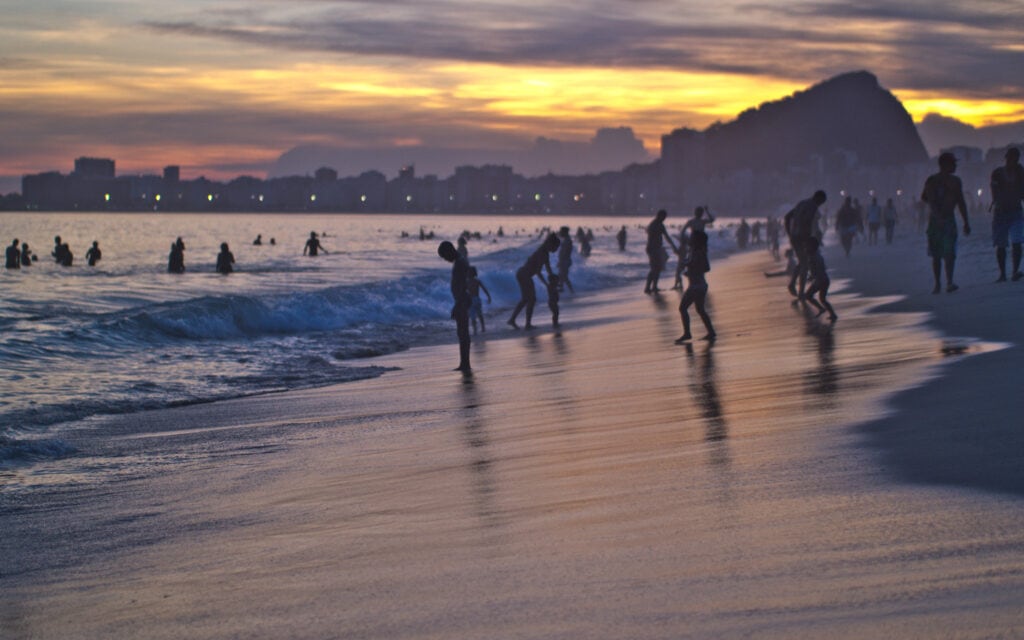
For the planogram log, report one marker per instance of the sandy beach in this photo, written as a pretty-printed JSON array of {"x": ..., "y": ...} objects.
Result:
[{"x": 793, "y": 479}]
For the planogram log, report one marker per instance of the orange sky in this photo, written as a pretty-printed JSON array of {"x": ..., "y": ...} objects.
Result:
[{"x": 223, "y": 88}]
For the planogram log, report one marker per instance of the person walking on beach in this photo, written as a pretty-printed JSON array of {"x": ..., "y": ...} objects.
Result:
[
  {"x": 476, "y": 306},
  {"x": 13, "y": 255},
  {"x": 461, "y": 299},
  {"x": 802, "y": 225},
  {"x": 564, "y": 258},
  {"x": 176, "y": 259},
  {"x": 93, "y": 255},
  {"x": 225, "y": 260},
  {"x": 620, "y": 237},
  {"x": 944, "y": 194},
  {"x": 533, "y": 266},
  {"x": 874, "y": 220},
  {"x": 819, "y": 280},
  {"x": 656, "y": 254},
  {"x": 697, "y": 290},
  {"x": 1008, "y": 214},
  {"x": 313, "y": 246},
  {"x": 889, "y": 218}
]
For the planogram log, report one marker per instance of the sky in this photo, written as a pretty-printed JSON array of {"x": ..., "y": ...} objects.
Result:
[{"x": 225, "y": 87}]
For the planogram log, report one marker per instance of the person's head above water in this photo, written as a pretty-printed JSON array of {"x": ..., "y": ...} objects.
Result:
[{"x": 447, "y": 251}]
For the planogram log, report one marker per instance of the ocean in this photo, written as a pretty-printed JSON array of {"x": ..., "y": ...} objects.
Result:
[{"x": 125, "y": 335}]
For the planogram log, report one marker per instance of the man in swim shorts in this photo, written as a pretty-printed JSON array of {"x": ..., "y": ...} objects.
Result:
[
  {"x": 1008, "y": 214},
  {"x": 944, "y": 194}
]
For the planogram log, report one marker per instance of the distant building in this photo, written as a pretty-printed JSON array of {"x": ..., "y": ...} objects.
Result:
[{"x": 94, "y": 167}]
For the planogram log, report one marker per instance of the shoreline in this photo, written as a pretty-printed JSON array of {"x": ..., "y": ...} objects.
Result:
[
  {"x": 593, "y": 482},
  {"x": 961, "y": 428}
]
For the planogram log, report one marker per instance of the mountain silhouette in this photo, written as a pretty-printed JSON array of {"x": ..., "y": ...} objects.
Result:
[{"x": 850, "y": 114}]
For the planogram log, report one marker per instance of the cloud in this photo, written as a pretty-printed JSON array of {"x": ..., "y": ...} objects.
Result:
[{"x": 938, "y": 44}]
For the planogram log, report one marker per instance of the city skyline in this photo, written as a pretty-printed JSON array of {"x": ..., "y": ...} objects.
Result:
[{"x": 229, "y": 88}]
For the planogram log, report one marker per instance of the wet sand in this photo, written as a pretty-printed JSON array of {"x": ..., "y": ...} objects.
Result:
[{"x": 598, "y": 482}]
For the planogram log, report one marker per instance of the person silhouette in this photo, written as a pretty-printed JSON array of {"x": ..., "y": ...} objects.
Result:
[
  {"x": 802, "y": 224},
  {"x": 537, "y": 261},
  {"x": 26, "y": 256},
  {"x": 93, "y": 255},
  {"x": 697, "y": 289},
  {"x": 476, "y": 309},
  {"x": 819, "y": 279},
  {"x": 14, "y": 255},
  {"x": 944, "y": 194},
  {"x": 1008, "y": 214},
  {"x": 259, "y": 240},
  {"x": 176, "y": 259},
  {"x": 564, "y": 258},
  {"x": 313, "y": 246},
  {"x": 461, "y": 299},
  {"x": 656, "y": 254},
  {"x": 225, "y": 259}
]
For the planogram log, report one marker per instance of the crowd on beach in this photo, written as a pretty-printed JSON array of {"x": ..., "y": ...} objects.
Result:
[{"x": 804, "y": 225}]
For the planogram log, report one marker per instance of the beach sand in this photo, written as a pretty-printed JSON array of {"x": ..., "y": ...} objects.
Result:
[{"x": 794, "y": 479}]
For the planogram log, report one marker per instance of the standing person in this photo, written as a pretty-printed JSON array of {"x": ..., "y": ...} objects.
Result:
[
  {"x": 66, "y": 257},
  {"x": 13, "y": 256},
  {"x": 656, "y": 253},
  {"x": 621, "y": 238},
  {"x": 26, "y": 255},
  {"x": 564, "y": 258},
  {"x": 874, "y": 220},
  {"x": 847, "y": 224},
  {"x": 802, "y": 225},
  {"x": 697, "y": 290},
  {"x": 944, "y": 194},
  {"x": 93, "y": 255},
  {"x": 1008, "y": 215},
  {"x": 56, "y": 253},
  {"x": 476, "y": 307},
  {"x": 889, "y": 218},
  {"x": 820, "y": 281},
  {"x": 553, "y": 287},
  {"x": 313, "y": 246},
  {"x": 176, "y": 259},
  {"x": 462, "y": 248},
  {"x": 225, "y": 260},
  {"x": 537, "y": 261},
  {"x": 460, "y": 296}
]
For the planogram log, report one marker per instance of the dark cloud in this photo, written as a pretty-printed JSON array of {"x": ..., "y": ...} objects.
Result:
[{"x": 936, "y": 44}]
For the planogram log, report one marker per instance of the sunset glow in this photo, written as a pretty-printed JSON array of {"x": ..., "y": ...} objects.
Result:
[{"x": 216, "y": 88}]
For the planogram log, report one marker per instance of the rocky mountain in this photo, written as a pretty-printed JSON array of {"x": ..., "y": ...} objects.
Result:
[{"x": 850, "y": 114}]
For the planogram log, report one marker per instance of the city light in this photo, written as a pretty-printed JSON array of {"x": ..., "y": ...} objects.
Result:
[
  {"x": 312, "y": 198},
  {"x": 106, "y": 196}
]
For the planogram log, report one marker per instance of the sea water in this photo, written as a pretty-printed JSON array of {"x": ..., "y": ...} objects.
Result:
[{"x": 126, "y": 335}]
